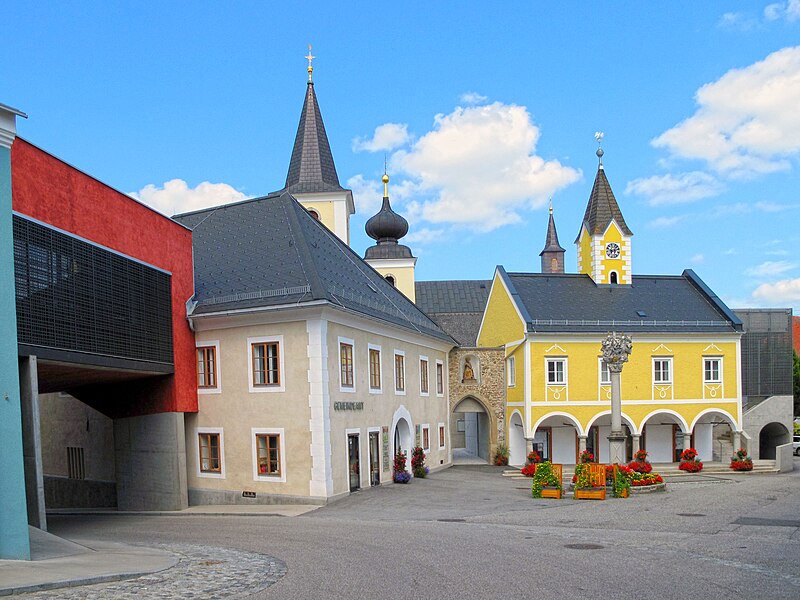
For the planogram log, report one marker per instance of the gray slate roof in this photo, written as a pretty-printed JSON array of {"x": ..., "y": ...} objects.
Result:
[
  {"x": 574, "y": 303},
  {"x": 457, "y": 306},
  {"x": 270, "y": 251},
  {"x": 602, "y": 208},
  {"x": 551, "y": 241},
  {"x": 311, "y": 168}
]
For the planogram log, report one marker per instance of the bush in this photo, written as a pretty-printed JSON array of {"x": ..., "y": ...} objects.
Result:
[
  {"x": 501, "y": 455},
  {"x": 544, "y": 477},
  {"x": 400, "y": 473},
  {"x": 689, "y": 462},
  {"x": 528, "y": 470},
  {"x": 741, "y": 462},
  {"x": 418, "y": 463}
]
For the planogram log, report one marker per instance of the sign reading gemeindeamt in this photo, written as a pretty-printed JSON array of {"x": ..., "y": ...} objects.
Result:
[
  {"x": 348, "y": 406},
  {"x": 386, "y": 461}
]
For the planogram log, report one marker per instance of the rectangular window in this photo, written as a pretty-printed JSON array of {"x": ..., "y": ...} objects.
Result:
[
  {"x": 209, "y": 453},
  {"x": 399, "y": 373},
  {"x": 423, "y": 376},
  {"x": 374, "y": 369},
  {"x": 556, "y": 371},
  {"x": 605, "y": 374},
  {"x": 346, "y": 364},
  {"x": 439, "y": 378},
  {"x": 511, "y": 371},
  {"x": 662, "y": 370},
  {"x": 441, "y": 436},
  {"x": 712, "y": 370},
  {"x": 268, "y": 454},
  {"x": 266, "y": 370},
  {"x": 426, "y": 438},
  {"x": 206, "y": 367}
]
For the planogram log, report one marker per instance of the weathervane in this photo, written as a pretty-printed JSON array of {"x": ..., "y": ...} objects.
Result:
[
  {"x": 599, "y": 135},
  {"x": 310, "y": 68}
]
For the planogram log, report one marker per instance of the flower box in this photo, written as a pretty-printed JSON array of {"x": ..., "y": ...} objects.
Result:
[
  {"x": 551, "y": 492},
  {"x": 590, "y": 494}
]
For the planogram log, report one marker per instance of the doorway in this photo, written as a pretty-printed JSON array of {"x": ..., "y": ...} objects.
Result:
[
  {"x": 374, "y": 458},
  {"x": 353, "y": 466}
]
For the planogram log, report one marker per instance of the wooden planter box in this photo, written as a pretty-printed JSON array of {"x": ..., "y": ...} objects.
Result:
[
  {"x": 590, "y": 494},
  {"x": 551, "y": 492}
]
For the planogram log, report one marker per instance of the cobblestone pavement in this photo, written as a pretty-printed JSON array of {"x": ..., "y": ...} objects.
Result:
[{"x": 202, "y": 572}]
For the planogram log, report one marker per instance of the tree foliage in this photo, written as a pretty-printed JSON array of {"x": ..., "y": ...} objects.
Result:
[{"x": 796, "y": 381}]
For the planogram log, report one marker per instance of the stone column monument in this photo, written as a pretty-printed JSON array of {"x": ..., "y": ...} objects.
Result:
[{"x": 616, "y": 349}]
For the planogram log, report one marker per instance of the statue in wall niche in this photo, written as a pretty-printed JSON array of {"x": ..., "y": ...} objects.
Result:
[{"x": 469, "y": 374}]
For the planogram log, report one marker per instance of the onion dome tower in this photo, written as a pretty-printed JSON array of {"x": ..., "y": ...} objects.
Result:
[
  {"x": 553, "y": 253},
  {"x": 392, "y": 260}
]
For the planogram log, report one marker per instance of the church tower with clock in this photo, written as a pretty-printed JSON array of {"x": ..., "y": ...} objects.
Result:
[{"x": 604, "y": 241}]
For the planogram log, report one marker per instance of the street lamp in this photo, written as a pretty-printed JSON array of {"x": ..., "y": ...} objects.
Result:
[{"x": 616, "y": 349}]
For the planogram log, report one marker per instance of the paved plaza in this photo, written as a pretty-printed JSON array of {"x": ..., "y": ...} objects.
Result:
[{"x": 468, "y": 532}]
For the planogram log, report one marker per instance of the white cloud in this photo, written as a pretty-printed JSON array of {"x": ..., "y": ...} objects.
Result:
[
  {"x": 789, "y": 10},
  {"x": 175, "y": 196},
  {"x": 675, "y": 189},
  {"x": 472, "y": 98},
  {"x": 773, "y": 207},
  {"x": 786, "y": 291},
  {"x": 477, "y": 167},
  {"x": 770, "y": 268},
  {"x": 747, "y": 122},
  {"x": 698, "y": 259},
  {"x": 664, "y": 222},
  {"x": 777, "y": 253},
  {"x": 386, "y": 137},
  {"x": 426, "y": 235},
  {"x": 737, "y": 21}
]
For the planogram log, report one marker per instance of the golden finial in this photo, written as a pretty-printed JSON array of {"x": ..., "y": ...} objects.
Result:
[
  {"x": 310, "y": 68},
  {"x": 385, "y": 179}
]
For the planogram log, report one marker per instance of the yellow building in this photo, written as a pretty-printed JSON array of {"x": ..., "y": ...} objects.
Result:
[{"x": 683, "y": 378}]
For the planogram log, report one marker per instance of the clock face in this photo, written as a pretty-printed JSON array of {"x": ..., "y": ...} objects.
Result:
[{"x": 612, "y": 250}]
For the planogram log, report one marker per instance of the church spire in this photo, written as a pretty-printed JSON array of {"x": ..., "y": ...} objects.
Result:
[
  {"x": 553, "y": 253},
  {"x": 311, "y": 168}
]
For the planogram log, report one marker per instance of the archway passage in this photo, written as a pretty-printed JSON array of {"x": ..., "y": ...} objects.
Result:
[
  {"x": 403, "y": 440},
  {"x": 471, "y": 427},
  {"x": 597, "y": 438},
  {"x": 663, "y": 437},
  {"x": 556, "y": 439},
  {"x": 713, "y": 436},
  {"x": 771, "y": 436},
  {"x": 517, "y": 454}
]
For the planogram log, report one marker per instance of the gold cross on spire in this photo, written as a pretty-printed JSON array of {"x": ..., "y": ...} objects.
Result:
[{"x": 310, "y": 58}]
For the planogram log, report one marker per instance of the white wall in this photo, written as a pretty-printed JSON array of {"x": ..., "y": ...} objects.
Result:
[
  {"x": 659, "y": 443},
  {"x": 704, "y": 441},
  {"x": 516, "y": 442},
  {"x": 563, "y": 445},
  {"x": 603, "y": 431}
]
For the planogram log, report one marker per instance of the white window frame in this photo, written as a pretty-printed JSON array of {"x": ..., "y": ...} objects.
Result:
[
  {"x": 266, "y": 389},
  {"x": 346, "y": 388},
  {"x": 379, "y": 389},
  {"x": 444, "y": 378},
  {"x": 425, "y": 427},
  {"x": 217, "y": 389},
  {"x": 601, "y": 364},
  {"x": 559, "y": 360},
  {"x": 281, "y": 448},
  {"x": 718, "y": 360},
  {"x": 428, "y": 368},
  {"x": 668, "y": 361},
  {"x": 439, "y": 437},
  {"x": 511, "y": 371},
  {"x": 200, "y": 472},
  {"x": 405, "y": 372}
]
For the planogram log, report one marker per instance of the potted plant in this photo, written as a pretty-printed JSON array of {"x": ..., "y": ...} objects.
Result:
[
  {"x": 400, "y": 473},
  {"x": 590, "y": 482},
  {"x": 621, "y": 483},
  {"x": 501, "y": 455},
  {"x": 640, "y": 464},
  {"x": 530, "y": 468},
  {"x": 547, "y": 481},
  {"x": 586, "y": 457},
  {"x": 689, "y": 462},
  {"x": 418, "y": 467},
  {"x": 741, "y": 462}
]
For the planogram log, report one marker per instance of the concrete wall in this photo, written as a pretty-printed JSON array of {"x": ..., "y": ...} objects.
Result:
[
  {"x": 150, "y": 453},
  {"x": 775, "y": 409},
  {"x": 63, "y": 492},
  {"x": 14, "y": 541},
  {"x": 784, "y": 458}
]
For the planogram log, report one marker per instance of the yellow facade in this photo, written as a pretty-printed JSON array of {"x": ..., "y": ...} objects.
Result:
[
  {"x": 403, "y": 276},
  {"x": 324, "y": 209},
  {"x": 595, "y": 262},
  {"x": 501, "y": 321}
]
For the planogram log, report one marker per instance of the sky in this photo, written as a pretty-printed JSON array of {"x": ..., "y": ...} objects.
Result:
[{"x": 483, "y": 111}]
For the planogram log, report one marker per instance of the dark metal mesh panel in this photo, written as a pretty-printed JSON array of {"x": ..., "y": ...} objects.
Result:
[
  {"x": 72, "y": 295},
  {"x": 766, "y": 353}
]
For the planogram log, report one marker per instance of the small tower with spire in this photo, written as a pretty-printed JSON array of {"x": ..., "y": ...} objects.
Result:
[
  {"x": 553, "y": 253},
  {"x": 392, "y": 260},
  {"x": 604, "y": 240},
  {"x": 312, "y": 177}
]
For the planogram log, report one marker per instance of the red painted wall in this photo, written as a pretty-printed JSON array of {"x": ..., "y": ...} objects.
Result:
[
  {"x": 796, "y": 334},
  {"x": 48, "y": 189}
]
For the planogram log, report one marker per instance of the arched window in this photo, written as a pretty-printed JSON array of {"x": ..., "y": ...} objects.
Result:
[
  {"x": 613, "y": 277},
  {"x": 314, "y": 214},
  {"x": 554, "y": 265},
  {"x": 390, "y": 279}
]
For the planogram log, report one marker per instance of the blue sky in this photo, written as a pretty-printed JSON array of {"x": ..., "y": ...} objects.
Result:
[{"x": 485, "y": 111}]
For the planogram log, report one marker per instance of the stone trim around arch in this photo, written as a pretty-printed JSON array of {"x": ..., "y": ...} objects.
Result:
[
  {"x": 574, "y": 421},
  {"x": 719, "y": 411},
  {"x": 626, "y": 420},
  {"x": 681, "y": 421}
]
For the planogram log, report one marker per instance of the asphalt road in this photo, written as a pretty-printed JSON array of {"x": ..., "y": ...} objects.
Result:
[{"x": 467, "y": 532}]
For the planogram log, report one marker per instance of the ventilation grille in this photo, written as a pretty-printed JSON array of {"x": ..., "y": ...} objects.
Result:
[
  {"x": 75, "y": 464},
  {"x": 73, "y": 295}
]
